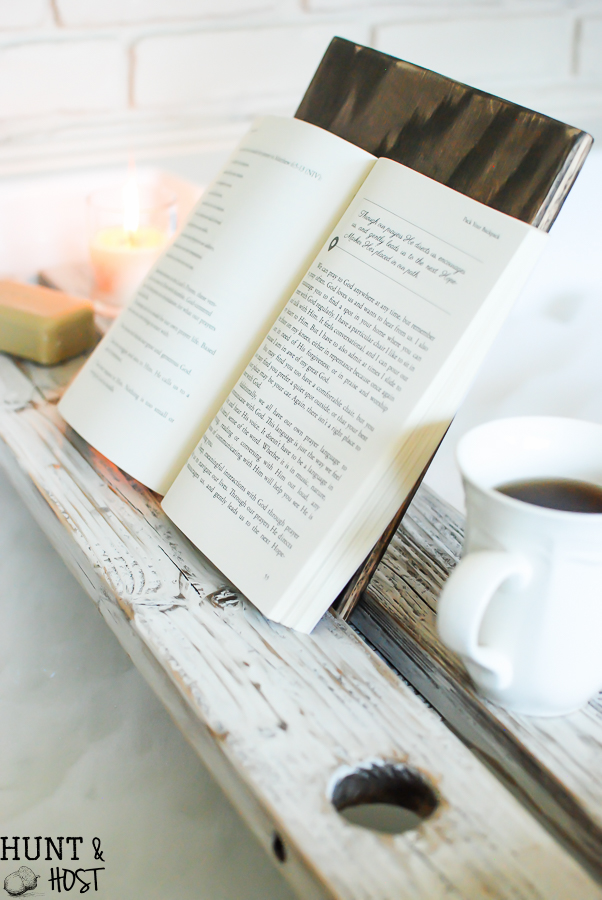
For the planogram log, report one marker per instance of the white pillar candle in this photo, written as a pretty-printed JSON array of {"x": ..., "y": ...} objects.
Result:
[
  {"x": 121, "y": 259},
  {"x": 129, "y": 227}
]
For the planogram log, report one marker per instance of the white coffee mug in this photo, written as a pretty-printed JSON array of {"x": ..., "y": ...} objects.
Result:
[{"x": 524, "y": 606}]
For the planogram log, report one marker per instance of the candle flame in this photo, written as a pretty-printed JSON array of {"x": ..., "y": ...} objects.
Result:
[{"x": 131, "y": 205}]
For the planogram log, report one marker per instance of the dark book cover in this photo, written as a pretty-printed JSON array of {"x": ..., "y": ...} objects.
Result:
[{"x": 510, "y": 158}]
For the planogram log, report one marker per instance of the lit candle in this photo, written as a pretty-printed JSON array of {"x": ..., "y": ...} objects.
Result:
[
  {"x": 123, "y": 253},
  {"x": 121, "y": 259}
]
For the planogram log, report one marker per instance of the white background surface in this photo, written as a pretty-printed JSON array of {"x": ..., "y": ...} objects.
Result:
[{"x": 85, "y": 749}]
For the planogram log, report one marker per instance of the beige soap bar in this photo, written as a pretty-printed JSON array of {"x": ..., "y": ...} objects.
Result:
[{"x": 42, "y": 324}]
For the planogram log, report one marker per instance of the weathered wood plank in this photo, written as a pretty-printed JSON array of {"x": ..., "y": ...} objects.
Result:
[
  {"x": 553, "y": 765},
  {"x": 274, "y": 714}
]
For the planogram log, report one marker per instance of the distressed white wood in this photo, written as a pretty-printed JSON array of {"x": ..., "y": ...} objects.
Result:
[
  {"x": 553, "y": 765},
  {"x": 273, "y": 713}
]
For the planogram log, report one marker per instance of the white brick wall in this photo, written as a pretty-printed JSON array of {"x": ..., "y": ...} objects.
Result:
[
  {"x": 62, "y": 77},
  {"x": 24, "y": 14},
  {"x": 590, "y": 56},
  {"x": 226, "y": 66},
  {"x": 126, "y": 12},
  {"x": 486, "y": 51},
  {"x": 90, "y": 80}
]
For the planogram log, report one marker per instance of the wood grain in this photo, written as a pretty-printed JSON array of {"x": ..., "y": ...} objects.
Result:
[
  {"x": 274, "y": 714},
  {"x": 553, "y": 765}
]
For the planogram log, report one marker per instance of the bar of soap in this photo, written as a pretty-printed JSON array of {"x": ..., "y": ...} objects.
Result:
[{"x": 42, "y": 324}]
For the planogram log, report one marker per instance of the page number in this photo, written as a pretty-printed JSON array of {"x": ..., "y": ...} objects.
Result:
[{"x": 266, "y": 577}]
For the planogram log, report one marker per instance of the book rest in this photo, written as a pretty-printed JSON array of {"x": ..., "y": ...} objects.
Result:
[{"x": 278, "y": 717}]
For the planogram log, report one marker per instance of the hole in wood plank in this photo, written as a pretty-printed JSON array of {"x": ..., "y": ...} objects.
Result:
[
  {"x": 279, "y": 848},
  {"x": 224, "y": 596},
  {"x": 386, "y": 797}
]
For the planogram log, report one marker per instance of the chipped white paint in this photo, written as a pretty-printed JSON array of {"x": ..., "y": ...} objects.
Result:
[{"x": 274, "y": 713}]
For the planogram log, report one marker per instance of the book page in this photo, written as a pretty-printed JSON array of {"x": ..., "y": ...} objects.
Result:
[
  {"x": 165, "y": 367},
  {"x": 341, "y": 387}
]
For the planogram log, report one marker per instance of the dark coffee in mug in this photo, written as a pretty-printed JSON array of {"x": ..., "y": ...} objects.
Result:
[
  {"x": 523, "y": 606},
  {"x": 567, "y": 494}
]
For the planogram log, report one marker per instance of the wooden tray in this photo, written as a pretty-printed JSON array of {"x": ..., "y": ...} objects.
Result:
[{"x": 280, "y": 718}]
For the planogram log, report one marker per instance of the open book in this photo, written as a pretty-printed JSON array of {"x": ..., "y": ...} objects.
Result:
[
  {"x": 511, "y": 158},
  {"x": 291, "y": 362}
]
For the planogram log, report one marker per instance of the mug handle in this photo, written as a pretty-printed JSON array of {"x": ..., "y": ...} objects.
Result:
[{"x": 464, "y": 601}]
